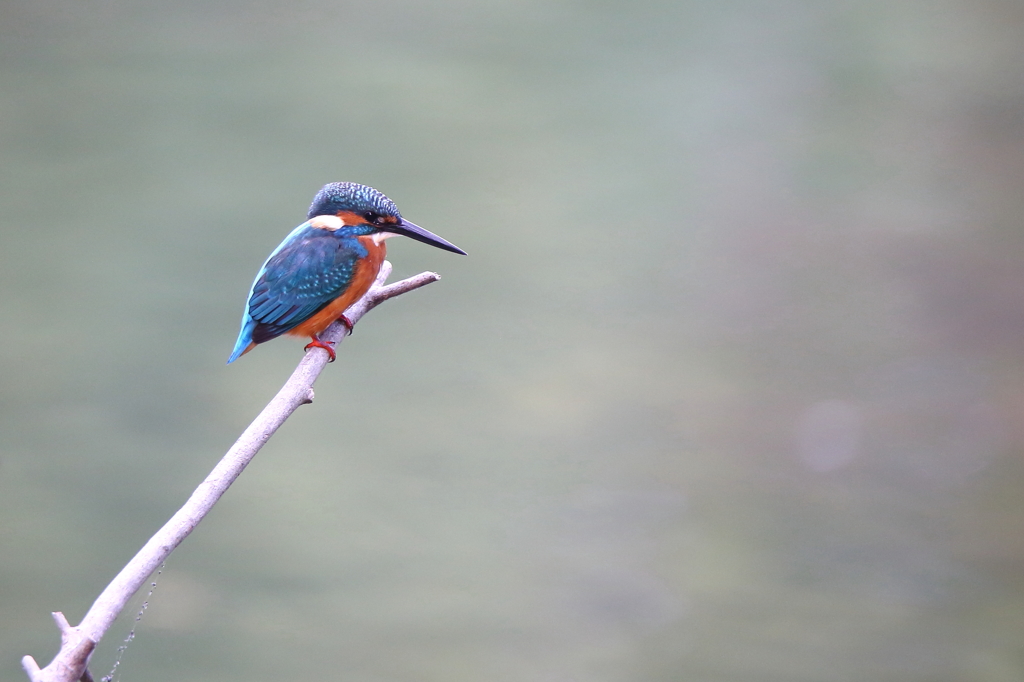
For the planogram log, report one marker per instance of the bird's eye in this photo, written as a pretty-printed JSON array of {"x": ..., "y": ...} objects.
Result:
[{"x": 374, "y": 218}]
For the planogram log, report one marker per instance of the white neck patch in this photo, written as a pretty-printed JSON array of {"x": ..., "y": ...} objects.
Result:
[
  {"x": 327, "y": 222},
  {"x": 379, "y": 237}
]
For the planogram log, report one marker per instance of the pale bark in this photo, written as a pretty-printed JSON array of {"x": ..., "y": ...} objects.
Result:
[{"x": 78, "y": 642}]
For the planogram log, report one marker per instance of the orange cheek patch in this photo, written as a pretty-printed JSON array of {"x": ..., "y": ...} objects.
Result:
[{"x": 350, "y": 218}]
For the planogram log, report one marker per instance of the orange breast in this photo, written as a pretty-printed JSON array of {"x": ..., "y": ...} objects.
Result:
[{"x": 365, "y": 273}]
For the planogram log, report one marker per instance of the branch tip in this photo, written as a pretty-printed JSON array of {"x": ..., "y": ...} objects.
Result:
[
  {"x": 31, "y": 667},
  {"x": 62, "y": 623}
]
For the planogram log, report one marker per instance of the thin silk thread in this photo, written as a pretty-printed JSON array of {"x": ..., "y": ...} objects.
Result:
[{"x": 131, "y": 635}]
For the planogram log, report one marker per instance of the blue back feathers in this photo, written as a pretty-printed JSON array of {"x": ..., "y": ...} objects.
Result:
[{"x": 310, "y": 269}]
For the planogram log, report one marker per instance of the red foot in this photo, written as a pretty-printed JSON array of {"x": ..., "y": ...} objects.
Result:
[
  {"x": 347, "y": 322},
  {"x": 317, "y": 343}
]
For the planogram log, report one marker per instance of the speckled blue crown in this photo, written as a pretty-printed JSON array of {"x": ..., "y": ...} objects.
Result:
[{"x": 350, "y": 196}]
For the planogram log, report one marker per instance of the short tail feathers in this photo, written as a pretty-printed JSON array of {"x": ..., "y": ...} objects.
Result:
[{"x": 244, "y": 344}]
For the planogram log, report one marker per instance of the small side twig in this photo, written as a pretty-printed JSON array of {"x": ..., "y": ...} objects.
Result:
[{"x": 78, "y": 642}]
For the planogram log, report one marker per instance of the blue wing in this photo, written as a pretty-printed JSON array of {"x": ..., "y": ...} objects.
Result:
[{"x": 309, "y": 269}]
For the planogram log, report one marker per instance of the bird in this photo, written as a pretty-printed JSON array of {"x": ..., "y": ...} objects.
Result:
[{"x": 325, "y": 265}]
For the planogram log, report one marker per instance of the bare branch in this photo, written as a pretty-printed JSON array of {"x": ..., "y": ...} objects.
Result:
[{"x": 77, "y": 643}]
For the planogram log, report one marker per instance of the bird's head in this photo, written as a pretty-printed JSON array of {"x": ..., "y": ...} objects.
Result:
[{"x": 365, "y": 207}]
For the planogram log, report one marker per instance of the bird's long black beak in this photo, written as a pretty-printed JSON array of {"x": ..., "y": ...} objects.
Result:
[{"x": 414, "y": 231}]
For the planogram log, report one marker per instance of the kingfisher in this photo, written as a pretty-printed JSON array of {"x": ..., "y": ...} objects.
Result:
[{"x": 325, "y": 265}]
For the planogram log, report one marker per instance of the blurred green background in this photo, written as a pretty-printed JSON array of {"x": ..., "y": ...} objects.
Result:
[{"x": 729, "y": 388}]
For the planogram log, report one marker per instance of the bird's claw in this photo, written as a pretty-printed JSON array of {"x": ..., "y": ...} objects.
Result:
[
  {"x": 317, "y": 343},
  {"x": 347, "y": 323}
]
